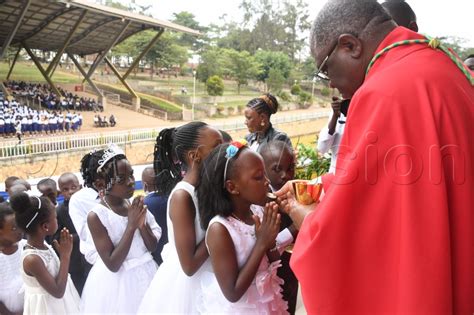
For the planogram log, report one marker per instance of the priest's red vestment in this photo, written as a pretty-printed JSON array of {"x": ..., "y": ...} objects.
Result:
[{"x": 394, "y": 233}]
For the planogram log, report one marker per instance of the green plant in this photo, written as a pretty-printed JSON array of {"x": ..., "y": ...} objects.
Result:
[
  {"x": 240, "y": 108},
  {"x": 305, "y": 99},
  {"x": 275, "y": 80},
  {"x": 220, "y": 109},
  {"x": 215, "y": 86},
  {"x": 310, "y": 163},
  {"x": 284, "y": 96},
  {"x": 295, "y": 89}
]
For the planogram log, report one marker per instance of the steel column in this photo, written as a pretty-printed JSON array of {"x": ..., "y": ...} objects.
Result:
[
  {"x": 104, "y": 53},
  {"x": 117, "y": 73},
  {"x": 9, "y": 39},
  {"x": 41, "y": 69},
  {"x": 91, "y": 83},
  {"x": 13, "y": 63},
  {"x": 143, "y": 53},
  {"x": 57, "y": 58}
]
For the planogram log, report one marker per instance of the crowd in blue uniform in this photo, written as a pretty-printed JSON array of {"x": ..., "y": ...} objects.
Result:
[
  {"x": 16, "y": 118},
  {"x": 55, "y": 115},
  {"x": 45, "y": 96}
]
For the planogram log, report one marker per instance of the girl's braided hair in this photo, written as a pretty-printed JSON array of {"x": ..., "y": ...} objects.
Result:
[{"x": 172, "y": 145}]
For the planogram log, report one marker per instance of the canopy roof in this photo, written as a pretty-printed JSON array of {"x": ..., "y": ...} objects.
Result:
[{"x": 46, "y": 25}]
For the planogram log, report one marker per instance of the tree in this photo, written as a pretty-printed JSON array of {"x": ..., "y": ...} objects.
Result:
[
  {"x": 188, "y": 19},
  {"x": 241, "y": 66},
  {"x": 295, "y": 21},
  {"x": 295, "y": 89},
  {"x": 276, "y": 25},
  {"x": 264, "y": 16},
  {"x": 458, "y": 45},
  {"x": 165, "y": 53},
  {"x": 211, "y": 64},
  {"x": 273, "y": 60},
  {"x": 232, "y": 36},
  {"x": 215, "y": 86},
  {"x": 275, "y": 80}
]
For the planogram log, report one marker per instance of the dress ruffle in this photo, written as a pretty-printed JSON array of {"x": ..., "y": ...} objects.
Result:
[{"x": 262, "y": 297}]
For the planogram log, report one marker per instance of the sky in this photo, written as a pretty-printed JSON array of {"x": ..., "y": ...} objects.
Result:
[{"x": 435, "y": 18}]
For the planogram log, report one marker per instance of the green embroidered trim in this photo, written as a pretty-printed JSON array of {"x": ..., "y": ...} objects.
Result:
[{"x": 433, "y": 43}]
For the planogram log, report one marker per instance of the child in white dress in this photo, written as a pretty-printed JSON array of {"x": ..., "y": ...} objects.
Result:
[
  {"x": 176, "y": 285},
  {"x": 240, "y": 238},
  {"x": 11, "y": 247},
  {"x": 48, "y": 286},
  {"x": 125, "y": 235}
]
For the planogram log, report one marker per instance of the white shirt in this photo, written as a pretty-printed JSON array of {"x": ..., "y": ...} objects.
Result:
[
  {"x": 330, "y": 143},
  {"x": 80, "y": 205}
]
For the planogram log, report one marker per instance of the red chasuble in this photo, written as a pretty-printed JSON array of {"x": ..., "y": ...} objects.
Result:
[{"x": 394, "y": 233}]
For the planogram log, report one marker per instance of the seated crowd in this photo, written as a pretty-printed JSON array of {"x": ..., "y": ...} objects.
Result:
[
  {"x": 104, "y": 122},
  {"x": 48, "y": 99}
]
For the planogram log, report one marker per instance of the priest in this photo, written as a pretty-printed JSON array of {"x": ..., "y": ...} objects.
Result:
[{"x": 394, "y": 232}]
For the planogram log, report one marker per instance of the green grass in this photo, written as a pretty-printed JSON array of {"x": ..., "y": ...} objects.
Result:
[
  {"x": 230, "y": 87},
  {"x": 27, "y": 71},
  {"x": 160, "y": 103},
  {"x": 155, "y": 101}
]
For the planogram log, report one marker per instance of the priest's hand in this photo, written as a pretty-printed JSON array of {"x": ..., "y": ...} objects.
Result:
[{"x": 288, "y": 204}]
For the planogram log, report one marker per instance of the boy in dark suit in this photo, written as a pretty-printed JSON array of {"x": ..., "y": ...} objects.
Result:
[{"x": 68, "y": 185}]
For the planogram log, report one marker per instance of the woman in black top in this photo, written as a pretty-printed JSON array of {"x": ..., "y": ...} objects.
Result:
[{"x": 257, "y": 118}]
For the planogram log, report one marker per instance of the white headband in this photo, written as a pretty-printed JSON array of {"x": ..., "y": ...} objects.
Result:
[{"x": 37, "y": 212}]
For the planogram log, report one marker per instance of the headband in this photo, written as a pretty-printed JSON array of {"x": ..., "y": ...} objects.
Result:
[
  {"x": 37, "y": 212},
  {"x": 232, "y": 151}
]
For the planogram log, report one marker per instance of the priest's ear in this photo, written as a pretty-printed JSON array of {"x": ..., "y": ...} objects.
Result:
[{"x": 351, "y": 45}]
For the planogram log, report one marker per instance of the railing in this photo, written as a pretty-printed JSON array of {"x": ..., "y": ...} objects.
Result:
[
  {"x": 56, "y": 144},
  {"x": 239, "y": 125}
]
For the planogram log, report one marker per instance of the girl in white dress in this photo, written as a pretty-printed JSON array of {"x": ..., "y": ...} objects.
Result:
[
  {"x": 124, "y": 235},
  {"x": 48, "y": 286},
  {"x": 240, "y": 238},
  {"x": 11, "y": 247},
  {"x": 176, "y": 285}
]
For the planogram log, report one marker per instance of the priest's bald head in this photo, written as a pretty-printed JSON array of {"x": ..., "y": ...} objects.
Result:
[
  {"x": 344, "y": 38},
  {"x": 401, "y": 13}
]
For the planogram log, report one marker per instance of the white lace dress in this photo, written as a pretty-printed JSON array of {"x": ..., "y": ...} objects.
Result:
[
  {"x": 10, "y": 279},
  {"x": 37, "y": 299},
  {"x": 107, "y": 292},
  {"x": 264, "y": 294},
  {"x": 172, "y": 291}
]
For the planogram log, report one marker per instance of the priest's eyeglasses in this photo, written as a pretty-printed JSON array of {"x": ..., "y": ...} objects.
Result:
[{"x": 322, "y": 72}]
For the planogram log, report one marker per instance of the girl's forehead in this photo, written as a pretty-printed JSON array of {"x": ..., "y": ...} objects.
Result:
[
  {"x": 124, "y": 165},
  {"x": 249, "y": 159},
  {"x": 277, "y": 154},
  {"x": 9, "y": 219}
]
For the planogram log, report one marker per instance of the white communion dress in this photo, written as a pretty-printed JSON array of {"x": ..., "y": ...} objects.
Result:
[
  {"x": 107, "y": 292},
  {"x": 37, "y": 299},
  {"x": 263, "y": 297},
  {"x": 172, "y": 291},
  {"x": 11, "y": 281}
]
